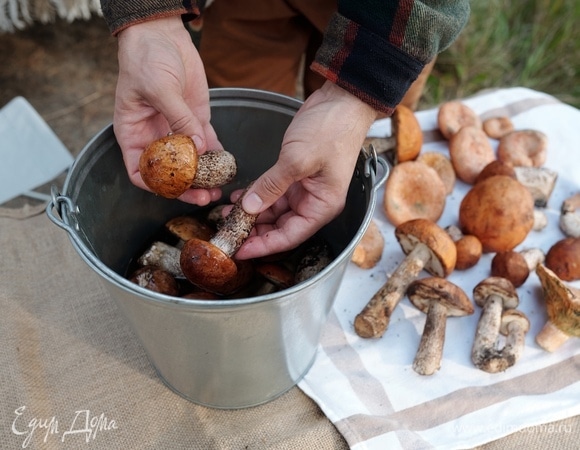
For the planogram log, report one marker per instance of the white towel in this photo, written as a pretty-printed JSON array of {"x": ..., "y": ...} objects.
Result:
[{"x": 368, "y": 388}]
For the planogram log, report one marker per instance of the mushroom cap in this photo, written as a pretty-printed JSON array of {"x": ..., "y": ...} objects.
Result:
[
  {"x": 563, "y": 258},
  {"x": 499, "y": 286},
  {"x": 369, "y": 250},
  {"x": 206, "y": 266},
  {"x": 277, "y": 273},
  {"x": 187, "y": 227},
  {"x": 469, "y": 250},
  {"x": 562, "y": 301},
  {"x": 168, "y": 165},
  {"x": 499, "y": 211},
  {"x": 454, "y": 115},
  {"x": 526, "y": 148},
  {"x": 513, "y": 315},
  {"x": 570, "y": 216},
  {"x": 470, "y": 151},
  {"x": 423, "y": 291},
  {"x": 496, "y": 167},
  {"x": 442, "y": 165},
  {"x": 442, "y": 248},
  {"x": 497, "y": 127},
  {"x": 413, "y": 190},
  {"x": 155, "y": 279},
  {"x": 511, "y": 265},
  {"x": 407, "y": 133}
]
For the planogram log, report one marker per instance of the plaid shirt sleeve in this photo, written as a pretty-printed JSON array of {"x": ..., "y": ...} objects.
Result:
[
  {"x": 375, "y": 49},
  {"x": 120, "y": 14}
]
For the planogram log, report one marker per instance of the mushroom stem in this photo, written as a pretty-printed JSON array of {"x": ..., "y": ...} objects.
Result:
[
  {"x": 164, "y": 256},
  {"x": 428, "y": 357},
  {"x": 533, "y": 257},
  {"x": 514, "y": 344},
  {"x": 570, "y": 216},
  {"x": 540, "y": 181},
  {"x": 550, "y": 337},
  {"x": 373, "y": 320},
  {"x": 487, "y": 330}
]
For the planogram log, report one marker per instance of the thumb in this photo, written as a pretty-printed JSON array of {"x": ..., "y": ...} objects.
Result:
[
  {"x": 182, "y": 121},
  {"x": 267, "y": 189}
]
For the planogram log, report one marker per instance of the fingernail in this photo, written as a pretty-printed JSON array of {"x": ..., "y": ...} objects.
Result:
[
  {"x": 252, "y": 203},
  {"x": 198, "y": 141}
]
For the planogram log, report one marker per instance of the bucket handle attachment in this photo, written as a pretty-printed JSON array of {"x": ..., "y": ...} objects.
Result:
[
  {"x": 62, "y": 203},
  {"x": 372, "y": 161}
]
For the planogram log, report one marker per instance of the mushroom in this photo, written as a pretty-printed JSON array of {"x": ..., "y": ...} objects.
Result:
[
  {"x": 516, "y": 266},
  {"x": 563, "y": 258},
  {"x": 369, "y": 251},
  {"x": 442, "y": 165},
  {"x": 276, "y": 273},
  {"x": 413, "y": 190},
  {"x": 468, "y": 246},
  {"x": 470, "y": 151},
  {"x": 526, "y": 148},
  {"x": 499, "y": 211},
  {"x": 563, "y": 308},
  {"x": 427, "y": 246},
  {"x": 514, "y": 326},
  {"x": 494, "y": 294},
  {"x": 570, "y": 216},
  {"x": 171, "y": 165},
  {"x": 438, "y": 298},
  {"x": 164, "y": 256},
  {"x": 496, "y": 167},
  {"x": 155, "y": 279},
  {"x": 406, "y": 138},
  {"x": 186, "y": 227},
  {"x": 497, "y": 127},
  {"x": 540, "y": 181},
  {"x": 209, "y": 264},
  {"x": 454, "y": 115},
  {"x": 540, "y": 220}
]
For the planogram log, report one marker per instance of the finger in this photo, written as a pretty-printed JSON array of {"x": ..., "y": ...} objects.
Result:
[{"x": 267, "y": 189}]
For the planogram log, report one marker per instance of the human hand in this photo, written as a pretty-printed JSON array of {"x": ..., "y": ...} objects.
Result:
[
  {"x": 307, "y": 186},
  {"x": 161, "y": 88}
]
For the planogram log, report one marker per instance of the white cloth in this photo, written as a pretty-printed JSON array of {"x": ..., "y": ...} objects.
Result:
[{"x": 368, "y": 388}]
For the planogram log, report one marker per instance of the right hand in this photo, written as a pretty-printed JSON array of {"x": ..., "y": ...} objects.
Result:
[{"x": 161, "y": 88}]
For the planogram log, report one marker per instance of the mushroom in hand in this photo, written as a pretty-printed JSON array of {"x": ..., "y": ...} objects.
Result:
[
  {"x": 563, "y": 308},
  {"x": 209, "y": 264},
  {"x": 427, "y": 246},
  {"x": 171, "y": 165},
  {"x": 494, "y": 294},
  {"x": 438, "y": 298}
]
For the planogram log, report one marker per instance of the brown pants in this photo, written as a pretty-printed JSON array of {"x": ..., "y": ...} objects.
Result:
[
  {"x": 269, "y": 45},
  {"x": 261, "y": 44}
]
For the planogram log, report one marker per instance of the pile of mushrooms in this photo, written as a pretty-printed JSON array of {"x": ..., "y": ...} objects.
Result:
[{"x": 508, "y": 189}]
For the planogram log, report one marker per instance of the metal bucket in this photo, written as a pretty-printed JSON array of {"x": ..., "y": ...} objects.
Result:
[{"x": 226, "y": 353}]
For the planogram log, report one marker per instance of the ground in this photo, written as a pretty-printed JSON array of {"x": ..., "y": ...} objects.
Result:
[{"x": 67, "y": 71}]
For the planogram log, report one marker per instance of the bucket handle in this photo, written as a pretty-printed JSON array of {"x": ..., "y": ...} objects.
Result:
[
  {"x": 59, "y": 203},
  {"x": 372, "y": 161}
]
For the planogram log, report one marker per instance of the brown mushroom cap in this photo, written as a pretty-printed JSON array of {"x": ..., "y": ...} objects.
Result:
[
  {"x": 510, "y": 316},
  {"x": 423, "y": 291},
  {"x": 501, "y": 287},
  {"x": 511, "y": 265},
  {"x": 496, "y": 167},
  {"x": 454, "y": 115},
  {"x": 155, "y": 279},
  {"x": 188, "y": 227},
  {"x": 369, "y": 250},
  {"x": 526, "y": 148},
  {"x": 440, "y": 244},
  {"x": 169, "y": 166},
  {"x": 469, "y": 250},
  {"x": 407, "y": 132},
  {"x": 470, "y": 151},
  {"x": 442, "y": 165},
  {"x": 499, "y": 211},
  {"x": 563, "y": 258},
  {"x": 497, "y": 127},
  {"x": 413, "y": 190}
]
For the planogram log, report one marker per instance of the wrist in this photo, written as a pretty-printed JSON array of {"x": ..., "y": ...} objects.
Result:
[{"x": 359, "y": 108}]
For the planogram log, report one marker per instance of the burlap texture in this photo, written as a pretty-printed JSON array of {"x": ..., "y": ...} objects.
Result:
[{"x": 67, "y": 355}]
